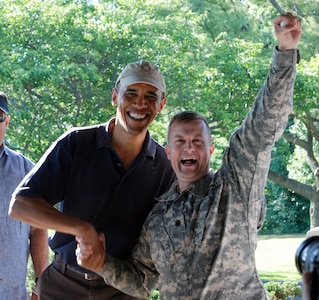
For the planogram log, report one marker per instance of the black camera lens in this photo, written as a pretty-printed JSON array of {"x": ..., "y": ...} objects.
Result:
[{"x": 307, "y": 255}]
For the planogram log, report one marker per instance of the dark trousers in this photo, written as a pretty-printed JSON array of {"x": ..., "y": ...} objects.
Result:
[{"x": 58, "y": 282}]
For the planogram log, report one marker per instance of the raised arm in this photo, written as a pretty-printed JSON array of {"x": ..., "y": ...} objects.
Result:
[{"x": 250, "y": 147}]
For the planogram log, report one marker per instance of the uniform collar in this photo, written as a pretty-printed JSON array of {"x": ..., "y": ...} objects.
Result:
[{"x": 198, "y": 189}]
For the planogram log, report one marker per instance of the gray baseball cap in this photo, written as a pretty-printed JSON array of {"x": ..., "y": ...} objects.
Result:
[{"x": 142, "y": 72}]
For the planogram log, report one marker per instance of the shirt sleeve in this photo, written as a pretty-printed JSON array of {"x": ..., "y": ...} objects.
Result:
[
  {"x": 137, "y": 275},
  {"x": 248, "y": 157},
  {"x": 50, "y": 172}
]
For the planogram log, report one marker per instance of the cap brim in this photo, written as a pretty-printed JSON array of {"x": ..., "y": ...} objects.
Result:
[
  {"x": 141, "y": 79},
  {"x": 4, "y": 106}
]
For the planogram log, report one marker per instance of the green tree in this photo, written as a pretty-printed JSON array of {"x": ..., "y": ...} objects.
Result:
[
  {"x": 61, "y": 58},
  {"x": 287, "y": 212},
  {"x": 249, "y": 20},
  {"x": 59, "y": 61}
]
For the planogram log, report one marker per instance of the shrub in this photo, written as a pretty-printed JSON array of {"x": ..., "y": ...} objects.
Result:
[
  {"x": 283, "y": 290},
  {"x": 276, "y": 290},
  {"x": 155, "y": 295}
]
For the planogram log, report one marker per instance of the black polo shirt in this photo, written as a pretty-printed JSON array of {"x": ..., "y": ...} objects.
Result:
[{"x": 84, "y": 173}]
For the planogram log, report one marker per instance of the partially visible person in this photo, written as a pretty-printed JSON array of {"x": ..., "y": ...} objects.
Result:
[
  {"x": 310, "y": 280},
  {"x": 17, "y": 239},
  {"x": 199, "y": 240},
  {"x": 306, "y": 286},
  {"x": 106, "y": 177}
]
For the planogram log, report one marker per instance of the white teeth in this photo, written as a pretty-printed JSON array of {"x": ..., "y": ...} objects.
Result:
[
  {"x": 190, "y": 159},
  {"x": 137, "y": 116}
]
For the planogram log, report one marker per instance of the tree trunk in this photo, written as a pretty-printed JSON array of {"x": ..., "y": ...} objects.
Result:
[{"x": 314, "y": 213}]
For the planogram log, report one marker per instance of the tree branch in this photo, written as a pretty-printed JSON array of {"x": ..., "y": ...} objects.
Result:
[
  {"x": 296, "y": 141},
  {"x": 302, "y": 189},
  {"x": 276, "y": 5}
]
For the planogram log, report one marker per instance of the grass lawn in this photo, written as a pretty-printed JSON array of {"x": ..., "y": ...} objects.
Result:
[{"x": 275, "y": 257}]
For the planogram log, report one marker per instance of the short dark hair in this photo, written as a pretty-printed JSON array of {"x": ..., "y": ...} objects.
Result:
[{"x": 185, "y": 117}]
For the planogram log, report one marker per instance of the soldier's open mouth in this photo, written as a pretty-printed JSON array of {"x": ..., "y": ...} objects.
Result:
[{"x": 189, "y": 161}]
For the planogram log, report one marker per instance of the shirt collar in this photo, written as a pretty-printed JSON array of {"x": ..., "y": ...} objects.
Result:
[
  {"x": 105, "y": 140},
  {"x": 2, "y": 149},
  {"x": 198, "y": 189}
]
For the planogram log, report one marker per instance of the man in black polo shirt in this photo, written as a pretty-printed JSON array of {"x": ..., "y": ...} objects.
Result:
[{"x": 104, "y": 179}]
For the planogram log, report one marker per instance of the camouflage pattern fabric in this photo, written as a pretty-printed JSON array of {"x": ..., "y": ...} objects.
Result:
[{"x": 200, "y": 244}]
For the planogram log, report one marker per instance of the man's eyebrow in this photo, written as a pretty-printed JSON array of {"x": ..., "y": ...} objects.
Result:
[
  {"x": 176, "y": 135},
  {"x": 153, "y": 93}
]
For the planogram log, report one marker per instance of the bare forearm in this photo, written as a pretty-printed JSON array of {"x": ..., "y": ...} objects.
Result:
[
  {"x": 39, "y": 250},
  {"x": 40, "y": 214}
]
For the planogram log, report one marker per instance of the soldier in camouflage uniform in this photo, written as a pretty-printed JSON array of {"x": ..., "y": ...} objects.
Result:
[{"x": 199, "y": 240}]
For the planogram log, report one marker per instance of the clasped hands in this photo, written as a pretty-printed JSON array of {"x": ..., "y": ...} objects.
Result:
[{"x": 90, "y": 254}]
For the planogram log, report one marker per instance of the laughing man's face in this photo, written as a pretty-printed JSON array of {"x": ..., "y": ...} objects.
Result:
[
  {"x": 137, "y": 106},
  {"x": 189, "y": 149}
]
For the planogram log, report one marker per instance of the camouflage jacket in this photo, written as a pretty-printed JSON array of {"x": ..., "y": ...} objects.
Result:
[{"x": 200, "y": 244}]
